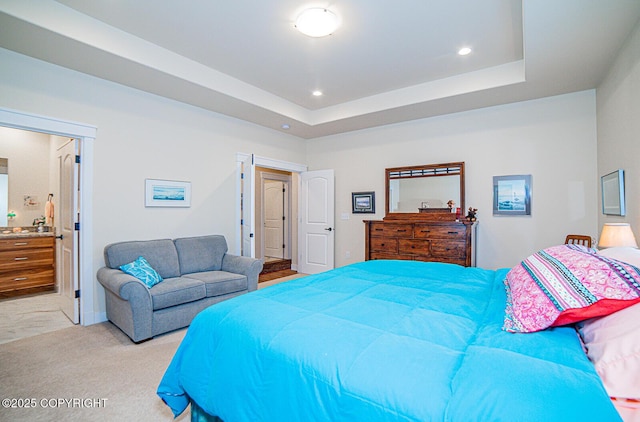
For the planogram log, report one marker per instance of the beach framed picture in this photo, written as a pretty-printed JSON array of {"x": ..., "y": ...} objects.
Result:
[
  {"x": 167, "y": 193},
  {"x": 512, "y": 195}
]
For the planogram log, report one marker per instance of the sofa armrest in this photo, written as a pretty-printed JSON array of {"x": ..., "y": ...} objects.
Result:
[
  {"x": 123, "y": 285},
  {"x": 244, "y": 265}
]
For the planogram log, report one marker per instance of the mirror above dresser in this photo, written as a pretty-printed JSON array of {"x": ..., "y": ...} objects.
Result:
[
  {"x": 425, "y": 189},
  {"x": 421, "y": 222}
]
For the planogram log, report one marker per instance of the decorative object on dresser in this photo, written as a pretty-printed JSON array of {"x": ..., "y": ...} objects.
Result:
[
  {"x": 27, "y": 264},
  {"x": 411, "y": 230}
]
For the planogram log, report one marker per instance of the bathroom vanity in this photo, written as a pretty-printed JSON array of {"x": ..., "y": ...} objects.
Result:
[{"x": 27, "y": 263}]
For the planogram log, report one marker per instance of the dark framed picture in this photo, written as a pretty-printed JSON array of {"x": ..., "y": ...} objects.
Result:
[
  {"x": 613, "y": 193},
  {"x": 363, "y": 202},
  {"x": 512, "y": 195}
]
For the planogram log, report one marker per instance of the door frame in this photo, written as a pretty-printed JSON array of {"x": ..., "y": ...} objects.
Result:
[
  {"x": 86, "y": 136},
  {"x": 259, "y": 162}
]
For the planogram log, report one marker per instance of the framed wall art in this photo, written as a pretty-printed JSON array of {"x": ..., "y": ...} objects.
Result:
[
  {"x": 363, "y": 202},
  {"x": 167, "y": 193},
  {"x": 512, "y": 195},
  {"x": 613, "y": 193}
]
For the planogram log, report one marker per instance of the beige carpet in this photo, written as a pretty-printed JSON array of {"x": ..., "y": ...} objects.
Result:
[{"x": 96, "y": 365}]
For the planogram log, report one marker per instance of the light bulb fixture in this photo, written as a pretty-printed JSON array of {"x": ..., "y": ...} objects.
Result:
[
  {"x": 317, "y": 22},
  {"x": 317, "y": 93},
  {"x": 464, "y": 51}
]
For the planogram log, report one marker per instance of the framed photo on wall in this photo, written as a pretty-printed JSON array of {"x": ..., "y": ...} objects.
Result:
[
  {"x": 363, "y": 202},
  {"x": 167, "y": 193},
  {"x": 613, "y": 193},
  {"x": 512, "y": 195}
]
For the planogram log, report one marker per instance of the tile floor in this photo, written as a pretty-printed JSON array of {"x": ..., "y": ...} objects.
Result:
[{"x": 31, "y": 315}]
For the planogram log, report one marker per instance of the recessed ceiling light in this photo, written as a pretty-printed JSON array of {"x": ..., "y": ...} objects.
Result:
[
  {"x": 464, "y": 51},
  {"x": 317, "y": 22},
  {"x": 317, "y": 93}
]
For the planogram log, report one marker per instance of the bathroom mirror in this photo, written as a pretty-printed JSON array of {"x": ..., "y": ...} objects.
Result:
[
  {"x": 425, "y": 189},
  {"x": 4, "y": 191}
]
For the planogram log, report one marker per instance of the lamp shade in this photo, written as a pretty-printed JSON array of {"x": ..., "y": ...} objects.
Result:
[{"x": 617, "y": 234}]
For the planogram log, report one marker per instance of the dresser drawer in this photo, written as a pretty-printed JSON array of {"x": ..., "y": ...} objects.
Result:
[
  {"x": 376, "y": 228},
  {"x": 384, "y": 255},
  {"x": 433, "y": 231},
  {"x": 448, "y": 249},
  {"x": 20, "y": 259},
  {"x": 26, "y": 243},
  {"x": 17, "y": 280},
  {"x": 398, "y": 230},
  {"x": 384, "y": 244},
  {"x": 415, "y": 247}
]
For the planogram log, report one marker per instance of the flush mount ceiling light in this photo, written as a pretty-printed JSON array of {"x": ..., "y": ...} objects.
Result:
[
  {"x": 317, "y": 22},
  {"x": 464, "y": 51},
  {"x": 317, "y": 93}
]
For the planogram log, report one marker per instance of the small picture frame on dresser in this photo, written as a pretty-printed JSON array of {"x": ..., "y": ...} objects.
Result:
[{"x": 363, "y": 202}]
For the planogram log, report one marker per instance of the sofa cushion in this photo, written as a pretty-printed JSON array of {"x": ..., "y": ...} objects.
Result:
[
  {"x": 161, "y": 255},
  {"x": 176, "y": 291},
  {"x": 201, "y": 253},
  {"x": 220, "y": 282}
]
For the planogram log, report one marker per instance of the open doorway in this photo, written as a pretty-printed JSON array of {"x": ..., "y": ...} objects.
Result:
[
  {"x": 273, "y": 229},
  {"x": 312, "y": 231},
  {"x": 83, "y": 290},
  {"x": 35, "y": 294}
]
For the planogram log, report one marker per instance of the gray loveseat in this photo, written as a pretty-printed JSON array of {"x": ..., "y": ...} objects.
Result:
[{"x": 197, "y": 272}]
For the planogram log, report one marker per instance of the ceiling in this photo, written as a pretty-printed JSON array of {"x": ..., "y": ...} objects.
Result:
[{"x": 388, "y": 62}]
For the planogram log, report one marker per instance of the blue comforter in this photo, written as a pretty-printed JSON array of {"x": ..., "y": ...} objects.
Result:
[{"x": 381, "y": 341}]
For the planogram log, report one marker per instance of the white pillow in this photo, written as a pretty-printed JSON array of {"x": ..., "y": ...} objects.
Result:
[
  {"x": 613, "y": 345},
  {"x": 623, "y": 253}
]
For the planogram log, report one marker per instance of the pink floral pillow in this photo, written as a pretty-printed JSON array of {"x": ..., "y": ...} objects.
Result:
[{"x": 565, "y": 284}]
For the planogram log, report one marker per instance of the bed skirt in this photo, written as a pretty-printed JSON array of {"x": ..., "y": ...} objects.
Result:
[{"x": 199, "y": 415}]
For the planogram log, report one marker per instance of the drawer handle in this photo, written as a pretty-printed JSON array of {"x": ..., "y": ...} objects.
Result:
[
  {"x": 382, "y": 244},
  {"x": 425, "y": 231},
  {"x": 21, "y": 258},
  {"x": 401, "y": 230},
  {"x": 452, "y": 232},
  {"x": 20, "y": 278},
  {"x": 20, "y": 243},
  {"x": 378, "y": 230}
]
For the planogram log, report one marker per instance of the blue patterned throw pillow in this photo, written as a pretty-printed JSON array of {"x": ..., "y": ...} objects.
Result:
[{"x": 141, "y": 270}]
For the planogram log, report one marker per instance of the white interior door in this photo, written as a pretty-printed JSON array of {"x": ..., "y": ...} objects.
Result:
[
  {"x": 317, "y": 217},
  {"x": 248, "y": 191},
  {"x": 274, "y": 218},
  {"x": 67, "y": 246}
]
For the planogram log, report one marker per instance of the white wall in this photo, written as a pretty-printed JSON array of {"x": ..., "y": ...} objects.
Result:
[
  {"x": 618, "y": 106},
  {"x": 143, "y": 136},
  {"x": 28, "y": 154},
  {"x": 553, "y": 139}
]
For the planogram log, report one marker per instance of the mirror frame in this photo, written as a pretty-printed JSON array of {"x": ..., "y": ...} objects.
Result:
[{"x": 427, "y": 170}]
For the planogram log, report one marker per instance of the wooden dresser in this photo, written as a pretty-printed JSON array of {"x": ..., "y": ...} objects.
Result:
[
  {"x": 27, "y": 264},
  {"x": 421, "y": 240}
]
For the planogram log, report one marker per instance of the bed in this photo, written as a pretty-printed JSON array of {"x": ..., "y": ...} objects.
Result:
[{"x": 381, "y": 340}]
